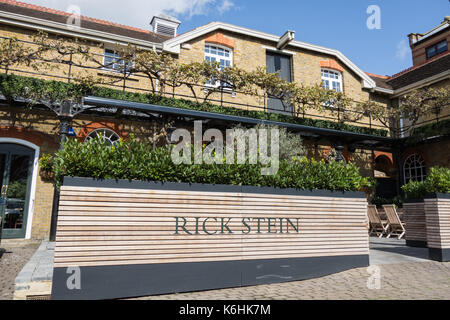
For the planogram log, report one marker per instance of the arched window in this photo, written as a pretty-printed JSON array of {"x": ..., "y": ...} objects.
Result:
[
  {"x": 109, "y": 136},
  {"x": 414, "y": 168}
]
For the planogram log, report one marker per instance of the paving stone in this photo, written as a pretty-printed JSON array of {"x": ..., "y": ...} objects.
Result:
[
  {"x": 18, "y": 253},
  {"x": 409, "y": 280}
]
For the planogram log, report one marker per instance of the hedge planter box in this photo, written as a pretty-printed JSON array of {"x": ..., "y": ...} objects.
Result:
[
  {"x": 437, "y": 209},
  {"x": 118, "y": 239},
  {"x": 415, "y": 223}
]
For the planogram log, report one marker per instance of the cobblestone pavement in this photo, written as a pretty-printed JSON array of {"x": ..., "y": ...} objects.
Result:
[
  {"x": 413, "y": 280},
  {"x": 17, "y": 254}
]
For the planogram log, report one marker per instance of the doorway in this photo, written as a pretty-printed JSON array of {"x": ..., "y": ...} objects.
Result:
[
  {"x": 16, "y": 169},
  {"x": 281, "y": 63}
]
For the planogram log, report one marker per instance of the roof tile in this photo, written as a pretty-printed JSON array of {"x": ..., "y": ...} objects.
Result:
[{"x": 87, "y": 22}]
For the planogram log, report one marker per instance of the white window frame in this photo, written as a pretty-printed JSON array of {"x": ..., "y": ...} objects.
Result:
[
  {"x": 105, "y": 137},
  {"x": 332, "y": 80},
  {"x": 117, "y": 57},
  {"x": 411, "y": 164},
  {"x": 217, "y": 58}
]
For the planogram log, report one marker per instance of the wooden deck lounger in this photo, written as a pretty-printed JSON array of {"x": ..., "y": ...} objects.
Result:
[
  {"x": 376, "y": 224},
  {"x": 395, "y": 225}
]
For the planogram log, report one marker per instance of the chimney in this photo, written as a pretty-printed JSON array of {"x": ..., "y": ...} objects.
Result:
[
  {"x": 165, "y": 25},
  {"x": 413, "y": 38}
]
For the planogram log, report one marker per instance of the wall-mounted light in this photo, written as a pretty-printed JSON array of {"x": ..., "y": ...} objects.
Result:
[{"x": 71, "y": 132}]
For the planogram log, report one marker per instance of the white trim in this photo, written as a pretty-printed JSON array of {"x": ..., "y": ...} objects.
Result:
[
  {"x": 383, "y": 90},
  {"x": 417, "y": 163},
  {"x": 429, "y": 34},
  {"x": 422, "y": 83},
  {"x": 33, "y": 179},
  {"x": 63, "y": 29},
  {"x": 291, "y": 53},
  {"x": 173, "y": 45}
]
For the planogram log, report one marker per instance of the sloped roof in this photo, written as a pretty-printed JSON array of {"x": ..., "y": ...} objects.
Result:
[
  {"x": 381, "y": 81},
  {"x": 420, "y": 72},
  {"x": 173, "y": 45},
  {"x": 39, "y": 12}
]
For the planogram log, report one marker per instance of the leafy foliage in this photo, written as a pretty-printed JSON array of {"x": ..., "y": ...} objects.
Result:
[
  {"x": 133, "y": 160},
  {"x": 441, "y": 128},
  {"x": 379, "y": 201},
  {"x": 437, "y": 181},
  {"x": 164, "y": 71},
  {"x": 290, "y": 144},
  {"x": 46, "y": 162},
  {"x": 415, "y": 105},
  {"x": 47, "y": 92}
]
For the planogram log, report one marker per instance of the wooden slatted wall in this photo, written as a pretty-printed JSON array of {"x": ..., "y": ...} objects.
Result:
[
  {"x": 438, "y": 222},
  {"x": 111, "y": 226},
  {"x": 415, "y": 223}
]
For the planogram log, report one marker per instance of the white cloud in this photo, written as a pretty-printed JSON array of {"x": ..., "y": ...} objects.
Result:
[
  {"x": 402, "y": 50},
  {"x": 225, "y": 6},
  {"x": 138, "y": 13}
]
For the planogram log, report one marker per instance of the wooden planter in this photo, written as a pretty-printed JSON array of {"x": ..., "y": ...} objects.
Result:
[
  {"x": 437, "y": 209},
  {"x": 415, "y": 223},
  {"x": 140, "y": 238}
]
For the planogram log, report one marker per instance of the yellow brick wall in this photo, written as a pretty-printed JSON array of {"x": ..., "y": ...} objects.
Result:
[
  {"x": 250, "y": 53},
  {"x": 432, "y": 117},
  {"x": 42, "y": 209}
]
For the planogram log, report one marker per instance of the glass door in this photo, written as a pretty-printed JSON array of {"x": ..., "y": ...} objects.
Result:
[{"x": 16, "y": 167}]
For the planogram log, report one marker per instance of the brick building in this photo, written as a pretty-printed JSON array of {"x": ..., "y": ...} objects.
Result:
[{"x": 26, "y": 133}]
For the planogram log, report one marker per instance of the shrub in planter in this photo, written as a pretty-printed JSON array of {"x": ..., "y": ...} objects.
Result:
[
  {"x": 46, "y": 167},
  {"x": 133, "y": 160},
  {"x": 437, "y": 181},
  {"x": 379, "y": 201}
]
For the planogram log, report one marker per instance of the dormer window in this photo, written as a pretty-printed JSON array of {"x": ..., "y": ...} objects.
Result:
[
  {"x": 436, "y": 49},
  {"x": 165, "y": 25},
  {"x": 331, "y": 80}
]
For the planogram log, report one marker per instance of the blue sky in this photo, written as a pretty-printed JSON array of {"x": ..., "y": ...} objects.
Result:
[{"x": 337, "y": 24}]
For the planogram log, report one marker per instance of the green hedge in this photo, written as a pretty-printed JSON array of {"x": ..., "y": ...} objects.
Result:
[
  {"x": 441, "y": 128},
  {"x": 437, "y": 181},
  {"x": 19, "y": 86},
  {"x": 380, "y": 201},
  {"x": 134, "y": 160}
]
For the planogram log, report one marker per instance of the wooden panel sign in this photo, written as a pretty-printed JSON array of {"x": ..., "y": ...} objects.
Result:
[{"x": 120, "y": 239}]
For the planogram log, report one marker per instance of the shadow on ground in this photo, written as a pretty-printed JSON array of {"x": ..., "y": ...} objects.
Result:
[{"x": 387, "y": 251}]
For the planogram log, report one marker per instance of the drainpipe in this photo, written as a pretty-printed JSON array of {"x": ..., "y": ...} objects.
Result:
[
  {"x": 285, "y": 39},
  {"x": 398, "y": 155}
]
